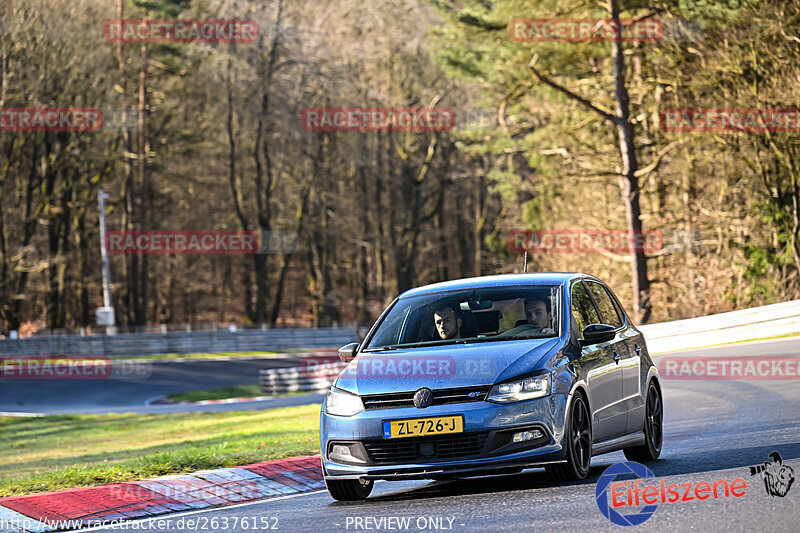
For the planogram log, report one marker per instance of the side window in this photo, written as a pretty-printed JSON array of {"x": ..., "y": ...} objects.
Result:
[
  {"x": 608, "y": 313},
  {"x": 390, "y": 332},
  {"x": 582, "y": 308}
]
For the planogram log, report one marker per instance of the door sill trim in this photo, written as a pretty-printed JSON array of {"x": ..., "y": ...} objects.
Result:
[{"x": 632, "y": 439}]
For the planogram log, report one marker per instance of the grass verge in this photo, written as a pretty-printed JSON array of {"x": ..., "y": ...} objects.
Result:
[
  {"x": 224, "y": 393},
  {"x": 220, "y": 393},
  {"x": 65, "y": 451}
]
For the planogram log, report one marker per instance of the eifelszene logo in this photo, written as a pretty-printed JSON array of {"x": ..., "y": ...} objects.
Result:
[
  {"x": 643, "y": 499},
  {"x": 778, "y": 477},
  {"x": 601, "y": 494}
]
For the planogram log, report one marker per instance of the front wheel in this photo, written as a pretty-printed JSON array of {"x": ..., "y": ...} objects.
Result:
[
  {"x": 653, "y": 429},
  {"x": 349, "y": 490},
  {"x": 578, "y": 439}
]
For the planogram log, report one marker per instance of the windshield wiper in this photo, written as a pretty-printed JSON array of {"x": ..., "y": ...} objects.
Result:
[
  {"x": 446, "y": 342},
  {"x": 493, "y": 338},
  {"x": 478, "y": 339}
]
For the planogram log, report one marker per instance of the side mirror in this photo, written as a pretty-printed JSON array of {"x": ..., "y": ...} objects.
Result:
[
  {"x": 348, "y": 352},
  {"x": 595, "y": 333}
]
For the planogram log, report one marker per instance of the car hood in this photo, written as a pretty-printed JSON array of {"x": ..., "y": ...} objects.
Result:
[{"x": 443, "y": 367}]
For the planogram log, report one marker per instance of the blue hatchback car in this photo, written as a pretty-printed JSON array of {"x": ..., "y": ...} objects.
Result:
[{"x": 491, "y": 375}]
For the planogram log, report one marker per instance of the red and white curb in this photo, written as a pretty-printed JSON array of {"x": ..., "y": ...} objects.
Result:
[{"x": 88, "y": 506}]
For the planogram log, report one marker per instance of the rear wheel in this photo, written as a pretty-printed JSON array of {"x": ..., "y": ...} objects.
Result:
[
  {"x": 578, "y": 439},
  {"x": 348, "y": 490},
  {"x": 653, "y": 429}
]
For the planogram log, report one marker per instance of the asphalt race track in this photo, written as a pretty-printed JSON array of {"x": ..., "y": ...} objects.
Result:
[
  {"x": 135, "y": 394},
  {"x": 713, "y": 430}
]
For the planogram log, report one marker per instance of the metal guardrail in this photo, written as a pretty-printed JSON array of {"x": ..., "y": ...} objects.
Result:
[
  {"x": 142, "y": 344},
  {"x": 306, "y": 378},
  {"x": 181, "y": 328},
  {"x": 735, "y": 326}
]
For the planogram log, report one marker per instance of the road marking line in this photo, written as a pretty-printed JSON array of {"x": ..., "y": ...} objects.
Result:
[
  {"x": 150, "y": 401},
  {"x": 10, "y": 519}
]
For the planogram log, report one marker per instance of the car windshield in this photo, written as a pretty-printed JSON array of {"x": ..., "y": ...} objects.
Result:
[{"x": 474, "y": 315}]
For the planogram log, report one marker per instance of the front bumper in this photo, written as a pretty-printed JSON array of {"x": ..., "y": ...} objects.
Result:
[{"x": 493, "y": 423}]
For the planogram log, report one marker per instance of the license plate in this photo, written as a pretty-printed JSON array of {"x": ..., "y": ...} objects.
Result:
[{"x": 416, "y": 427}]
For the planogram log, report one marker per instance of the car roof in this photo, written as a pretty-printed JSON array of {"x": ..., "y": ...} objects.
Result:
[{"x": 503, "y": 280}]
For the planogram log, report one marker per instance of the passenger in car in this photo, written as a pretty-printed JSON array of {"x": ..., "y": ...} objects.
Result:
[{"x": 448, "y": 325}]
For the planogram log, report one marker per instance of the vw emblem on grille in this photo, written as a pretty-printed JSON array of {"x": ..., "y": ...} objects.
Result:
[{"x": 423, "y": 398}]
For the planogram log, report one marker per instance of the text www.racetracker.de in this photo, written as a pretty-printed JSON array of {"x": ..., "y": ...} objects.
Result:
[{"x": 199, "y": 523}]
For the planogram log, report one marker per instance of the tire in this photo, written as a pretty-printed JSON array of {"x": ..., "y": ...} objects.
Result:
[
  {"x": 349, "y": 490},
  {"x": 578, "y": 438},
  {"x": 653, "y": 429}
]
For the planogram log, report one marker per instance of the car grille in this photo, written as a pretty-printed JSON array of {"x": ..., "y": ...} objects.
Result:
[
  {"x": 445, "y": 447},
  {"x": 440, "y": 397}
]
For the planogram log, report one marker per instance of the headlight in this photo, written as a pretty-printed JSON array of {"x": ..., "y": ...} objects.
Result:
[
  {"x": 523, "y": 389},
  {"x": 343, "y": 403}
]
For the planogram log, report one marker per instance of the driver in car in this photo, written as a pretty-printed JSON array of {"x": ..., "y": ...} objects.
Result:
[
  {"x": 537, "y": 312},
  {"x": 448, "y": 325}
]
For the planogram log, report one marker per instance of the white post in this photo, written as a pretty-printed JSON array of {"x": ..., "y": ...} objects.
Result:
[{"x": 105, "y": 314}]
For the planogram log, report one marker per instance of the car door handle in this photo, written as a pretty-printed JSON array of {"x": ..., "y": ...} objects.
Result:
[
  {"x": 637, "y": 348},
  {"x": 616, "y": 357}
]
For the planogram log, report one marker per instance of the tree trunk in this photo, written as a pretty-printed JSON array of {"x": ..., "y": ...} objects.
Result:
[
  {"x": 264, "y": 188},
  {"x": 629, "y": 182},
  {"x": 795, "y": 212},
  {"x": 82, "y": 249},
  {"x": 362, "y": 273},
  {"x": 3, "y": 174},
  {"x": 235, "y": 184},
  {"x": 380, "y": 259},
  {"x": 688, "y": 234},
  {"x": 287, "y": 258},
  {"x": 140, "y": 312},
  {"x": 477, "y": 236},
  {"x": 129, "y": 193},
  {"x": 32, "y": 184}
]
